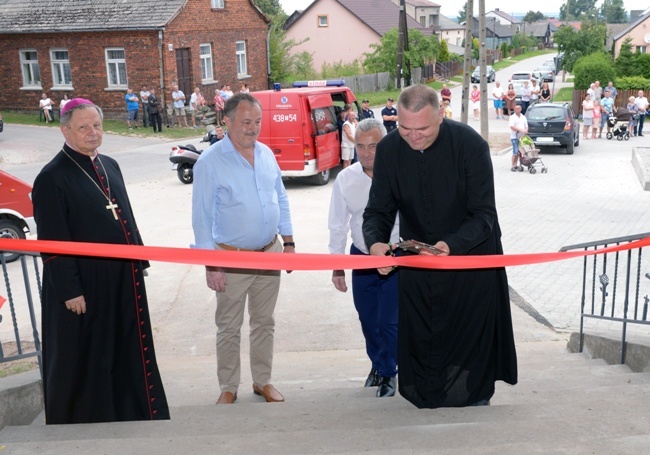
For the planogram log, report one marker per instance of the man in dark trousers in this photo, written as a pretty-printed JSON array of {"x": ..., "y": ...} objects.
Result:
[
  {"x": 154, "y": 111},
  {"x": 98, "y": 354},
  {"x": 455, "y": 334},
  {"x": 374, "y": 295}
]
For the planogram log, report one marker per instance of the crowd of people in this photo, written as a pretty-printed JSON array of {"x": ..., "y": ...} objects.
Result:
[
  {"x": 146, "y": 107},
  {"x": 599, "y": 105}
]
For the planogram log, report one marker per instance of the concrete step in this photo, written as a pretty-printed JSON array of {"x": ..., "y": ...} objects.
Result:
[
  {"x": 580, "y": 423},
  {"x": 564, "y": 403}
]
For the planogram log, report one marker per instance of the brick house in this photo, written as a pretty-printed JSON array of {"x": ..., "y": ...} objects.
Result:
[{"x": 97, "y": 49}]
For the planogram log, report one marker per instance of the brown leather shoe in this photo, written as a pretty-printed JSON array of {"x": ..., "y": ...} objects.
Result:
[
  {"x": 227, "y": 398},
  {"x": 270, "y": 394}
]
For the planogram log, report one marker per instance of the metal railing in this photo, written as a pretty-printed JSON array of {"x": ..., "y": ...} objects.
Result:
[
  {"x": 611, "y": 284},
  {"x": 27, "y": 277}
]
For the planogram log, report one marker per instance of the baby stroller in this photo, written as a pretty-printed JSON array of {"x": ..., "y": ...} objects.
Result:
[
  {"x": 529, "y": 156},
  {"x": 618, "y": 123}
]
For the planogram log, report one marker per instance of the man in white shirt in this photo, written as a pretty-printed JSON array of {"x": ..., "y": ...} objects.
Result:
[
  {"x": 144, "y": 98},
  {"x": 374, "y": 295},
  {"x": 497, "y": 93},
  {"x": 179, "y": 106},
  {"x": 534, "y": 92},
  {"x": 641, "y": 103},
  {"x": 518, "y": 127}
]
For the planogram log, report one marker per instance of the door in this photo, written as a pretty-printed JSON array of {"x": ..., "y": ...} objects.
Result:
[
  {"x": 183, "y": 70},
  {"x": 326, "y": 138}
]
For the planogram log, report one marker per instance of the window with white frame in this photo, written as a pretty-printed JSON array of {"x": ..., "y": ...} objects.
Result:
[
  {"x": 322, "y": 21},
  {"x": 30, "y": 68},
  {"x": 205, "y": 50},
  {"x": 217, "y": 4},
  {"x": 241, "y": 58},
  {"x": 423, "y": 21},
  {"x": 641, "y": 49},
  {"x": 61, "y": 74},
  {"x": 116, "y": 67}
]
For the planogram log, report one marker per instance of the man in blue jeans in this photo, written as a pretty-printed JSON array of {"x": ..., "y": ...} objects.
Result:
[
  {"x": 607, "y": 107},
  {"x": 374, "y": 295},
  {"x": 132, "y": 108},
  {"x": 518, "y": 127}
]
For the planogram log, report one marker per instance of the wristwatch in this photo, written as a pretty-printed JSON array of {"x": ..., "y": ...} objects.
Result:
[{"x": 293, "y": 244}]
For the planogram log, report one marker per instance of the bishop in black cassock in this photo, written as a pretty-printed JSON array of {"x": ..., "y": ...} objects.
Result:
[
  {"x": 455, "y": 336},
  {"x": 98, "y": 353}
]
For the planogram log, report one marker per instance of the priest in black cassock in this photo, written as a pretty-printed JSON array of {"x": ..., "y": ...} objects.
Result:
[
  {"x": 455, "y": 335},
  {"x": 98, "y": 355}
]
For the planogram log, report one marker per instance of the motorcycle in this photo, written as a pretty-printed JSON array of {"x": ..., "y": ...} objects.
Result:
[{"x": 183, "y": 158}]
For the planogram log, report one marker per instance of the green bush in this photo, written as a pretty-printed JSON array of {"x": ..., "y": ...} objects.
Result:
[
  {"x": 505, "y": 50},
  {"x": 591, "y": 68},
  {"x": 632, "y": 83},
  {"x": 642, "y": 65}
]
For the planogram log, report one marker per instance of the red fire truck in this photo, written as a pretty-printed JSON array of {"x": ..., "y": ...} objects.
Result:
[
  {"x": 300, "y": 126},
  {"x": 16, "y": 210}
]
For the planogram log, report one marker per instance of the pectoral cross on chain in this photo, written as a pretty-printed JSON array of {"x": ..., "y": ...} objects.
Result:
[{"x": 112, "y": 206}]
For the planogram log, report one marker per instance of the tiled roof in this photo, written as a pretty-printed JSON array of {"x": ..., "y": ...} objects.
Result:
[
  {"x": 444, "y": 23},
  {"x": 380, "y": 15},
  {"x": 41, "y": 16},
  {"x": 420, "y": 3},
  {"x": 536, "y": 29},
  {"x": 506, "y": 16},
  {"x": 631, "y": 27}
]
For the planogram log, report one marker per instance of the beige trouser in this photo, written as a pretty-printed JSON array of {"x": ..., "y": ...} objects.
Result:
[{"x": 261, "y": 287}]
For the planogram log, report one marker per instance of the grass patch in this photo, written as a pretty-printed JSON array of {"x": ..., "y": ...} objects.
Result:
[
  {"x": 18, "y": 368},
  {"x": 564, "y": 94},
  {"x": 518, "y": 58},
  {"x": 110, "y": 126}
]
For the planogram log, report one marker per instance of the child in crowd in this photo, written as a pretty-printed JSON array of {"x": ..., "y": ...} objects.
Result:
[
  {"x": 447, "y": 107},
  {"x": 596, "y": 121}
]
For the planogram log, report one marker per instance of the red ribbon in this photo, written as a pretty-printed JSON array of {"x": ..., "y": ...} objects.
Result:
[{"x": 300, "y": 261}]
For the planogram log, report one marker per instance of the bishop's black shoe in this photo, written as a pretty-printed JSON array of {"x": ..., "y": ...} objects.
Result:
[
  {"x": 373, "y": 379},
  {"x": 386, "y": 387}
]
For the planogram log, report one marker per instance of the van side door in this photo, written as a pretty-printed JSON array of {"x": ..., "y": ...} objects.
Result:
[{"x": 327, "y": 146}]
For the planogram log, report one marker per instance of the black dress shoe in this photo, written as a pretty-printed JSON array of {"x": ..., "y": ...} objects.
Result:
[
  {"x": 386, "y": 387},
  {"x": 373, "y": 379}
]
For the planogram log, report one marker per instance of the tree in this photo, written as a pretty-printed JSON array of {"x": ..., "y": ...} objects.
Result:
[
  {"x": 532, "y": 16},
  {"x": 575, "y": 44},
  {"x": 271, "y": 7},
  {"x": 576, "y": 8},
  {"x": 281, "y": 60},
  {"x": 590, "y": 68},
  {"x": 613, "y": 11},
  {"x": 384, "y": 55},
  {"x": 444, "y": 56},
  {"x": 462, "y": 14},
  {"x": 304, "y": 65},
  {"x": 626, "y": 61},
  {"x": 475, "y": 48}
]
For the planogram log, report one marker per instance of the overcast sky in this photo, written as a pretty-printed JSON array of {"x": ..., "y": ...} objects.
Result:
[{"x": 450, "y": 8}]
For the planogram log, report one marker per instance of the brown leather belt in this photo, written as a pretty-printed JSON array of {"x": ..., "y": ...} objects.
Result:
[{"x": 227, "y": 247}]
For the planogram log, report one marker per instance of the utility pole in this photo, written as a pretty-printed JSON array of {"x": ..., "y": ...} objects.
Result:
[
  {"x": 467, "y": 64},
  {"x": 483, "y": 64},
  {"x": 402, "y": 45}
]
